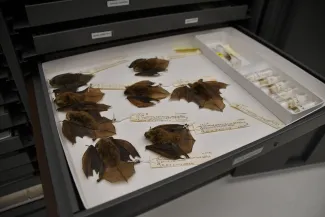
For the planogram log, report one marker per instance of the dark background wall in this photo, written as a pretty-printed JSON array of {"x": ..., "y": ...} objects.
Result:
[
  {"x": 305, "y": 39},
  {"x": 298, "y": 27}
]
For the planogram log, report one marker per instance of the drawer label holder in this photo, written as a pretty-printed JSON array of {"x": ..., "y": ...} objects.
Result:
[
  {"x": 117, "y": 3},
  {"x": 97, "y": 35},
  {"x": 191, "y": 20},
  {"x": 247, "y": 156}
]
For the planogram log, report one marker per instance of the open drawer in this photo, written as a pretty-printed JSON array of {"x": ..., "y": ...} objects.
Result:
[
  {"x": 72, "y": 9},
  {"x": 156, "y": 186}
]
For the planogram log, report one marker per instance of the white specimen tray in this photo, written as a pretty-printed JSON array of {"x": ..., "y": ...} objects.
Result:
[
  {"x": 253, "y": 60},
  {"x": 189, "y": 68}
]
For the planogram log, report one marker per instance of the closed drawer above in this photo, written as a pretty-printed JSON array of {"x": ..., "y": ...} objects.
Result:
[
  {"x": 11, "y": 117},
  {"x": 73, "y": 34},
  {"x": 13, "y": 140},
  {"x": 72, "y": 10}
]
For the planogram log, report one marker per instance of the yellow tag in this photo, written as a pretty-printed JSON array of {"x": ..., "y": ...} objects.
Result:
[
  {"x": 220, "y": 54},
  {"x": 217, "y": 127},
  {"x": 195, "y": 159},
  {"x": 273, "y": 123},
  {"x": 186, "y": 50},
  {"x": 182, "y": 55},
  {"x": 160, "y": 117}
]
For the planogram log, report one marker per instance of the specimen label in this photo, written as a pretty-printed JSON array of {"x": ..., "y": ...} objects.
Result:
[
  {"x": 217, "y": 127},
  {"x": 104, "y": 67},
  {"x": 191, "y": 20},
  {"x": 195, "y": 159},
  {"x": 273, "y": 123},
  {"x": 116, "y": 3},
  {"x": 109, "y": 86},
  {"x": 247, "y": 156},
  {"x": 151, "y": 117},
  {"x": 97, "y": 35},
  {"x": 182, "y": 82}
]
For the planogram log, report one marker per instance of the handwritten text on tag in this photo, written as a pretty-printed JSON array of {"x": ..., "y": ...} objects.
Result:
[
  {"x": 273, "y": 123},
  {"x": 151, "y": 117},
  {"x": 217, "y": 127},
  {"x": 195, "y": 159}
]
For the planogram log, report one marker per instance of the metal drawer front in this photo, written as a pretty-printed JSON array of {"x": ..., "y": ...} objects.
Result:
[
  {"x": 10, "y": 144},
  {"x": 72, "y": 10},
  {"x": 72, "y": 38},
  {"x": 14, "y": 161}
]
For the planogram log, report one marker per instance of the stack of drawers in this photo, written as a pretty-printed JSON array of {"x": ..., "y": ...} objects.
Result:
[{"x": 20, "y": 184}]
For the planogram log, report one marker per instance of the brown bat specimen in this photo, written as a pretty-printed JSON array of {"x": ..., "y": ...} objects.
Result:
[
  {"x": 110, "y": 158},
  {"x": 85, "y": 100},
  {"x": 149, "y": 67},
  {"x": 170, "y": 140},
  {"x": 206, "y": 94},
  {"x": 70, "y": 98},
  {"x": 84, "y": 106},
  {"x": 69, "y": 81},
  {"x": 143, "y": 94},
  {"x": 81, "y": 123}
]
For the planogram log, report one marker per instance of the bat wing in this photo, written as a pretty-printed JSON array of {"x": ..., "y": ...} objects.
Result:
[
  {"x": 84, "y": 106},
  {"x": 91, "y": 161},
  {"x": 136, "y": 62},
  {"x": 149, "y": 73},
  {"x": 70, "y": 79},
  {"x": 72, "y": 130},
  {"x": 187, "y": 94},
  {"x": 186, "y": 141},
  {"x": 126, "y": 149},
  {"x": 119, "y": 173},
  {"x": 141, "y": 101},
  {"x": 170, "y": 127},
  {"x": 157, "y": 92},
  {"x": 69, "y": 88},
  {"x": 168, "y": 150},
  {"x": 108, "y": 152}
]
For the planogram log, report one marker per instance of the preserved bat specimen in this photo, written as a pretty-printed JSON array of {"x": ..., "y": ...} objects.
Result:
[
  {"x": 170, "y": 140},
  {"x": 206, "y": 94},
  {"x": 70, "y": 98},
  {"x": 110, "y": 158},
  {"x": 143, "y": 93},
  {"x": 149, "y": 67},
  {"x": 84, "y": 106},
  {"x": 81, "y": 123},
  {"x": 69, "y": 81}
]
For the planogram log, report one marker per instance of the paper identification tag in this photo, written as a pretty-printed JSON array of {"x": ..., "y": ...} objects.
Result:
[
  {"x": 273, "y": 123},
  {"x": 109, "y": 86},
  {"x": 195, "y": 159},
  {"x": 182, "y": 82},
  {"x": 105, "y": 66},
  {"x": 217, "y": 127},
  {"x": 163, "y": 117}
]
